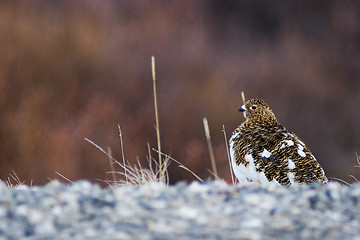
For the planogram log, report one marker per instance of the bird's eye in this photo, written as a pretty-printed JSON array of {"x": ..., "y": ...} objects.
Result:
[{"x": 253, "y": 107}]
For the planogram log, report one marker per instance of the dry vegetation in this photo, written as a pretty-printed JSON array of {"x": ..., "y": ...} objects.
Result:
[
  {"x": 138, "y": 174},
  {"x": 76, "y": 69}
]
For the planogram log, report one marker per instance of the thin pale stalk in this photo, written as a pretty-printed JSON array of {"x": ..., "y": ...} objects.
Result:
[
  {"x": 228, "y": 156},
  {"x": 122, "y": 151},
  {"x": 180, "y": 165},
  {"x": 117, "y": 162},
  {"x": 63, "y": 177},
  {"x": 243, "y": 97},
  {"x": 156, "y": 116},
  {"x": 340, "y": 181},
  {"x": 112, "y": 165},
  {"x": 211, "y": 151}
]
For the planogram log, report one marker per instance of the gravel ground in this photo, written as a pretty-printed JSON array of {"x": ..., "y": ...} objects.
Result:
[{"x": 212, "y": 210}]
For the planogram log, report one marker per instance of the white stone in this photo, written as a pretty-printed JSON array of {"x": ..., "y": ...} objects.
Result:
[{"x": 187, "y": 212}]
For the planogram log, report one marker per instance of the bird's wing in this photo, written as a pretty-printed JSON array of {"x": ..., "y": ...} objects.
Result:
[
  {"x": 269, "y": 157},
  {"x": 297, "y": 161}
]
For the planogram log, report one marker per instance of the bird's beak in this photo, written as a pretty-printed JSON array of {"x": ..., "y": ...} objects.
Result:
[{"x": 242, "y": 108}]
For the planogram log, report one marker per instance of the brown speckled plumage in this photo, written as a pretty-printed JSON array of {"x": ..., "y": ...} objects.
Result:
[{"x": 261, "y": 147}]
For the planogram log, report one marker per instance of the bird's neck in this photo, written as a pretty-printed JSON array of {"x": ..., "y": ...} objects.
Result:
[{"x": 262, "y": 122}]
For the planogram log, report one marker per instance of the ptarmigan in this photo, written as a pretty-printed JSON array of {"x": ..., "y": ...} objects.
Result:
[{"x": 264, "y": 151}]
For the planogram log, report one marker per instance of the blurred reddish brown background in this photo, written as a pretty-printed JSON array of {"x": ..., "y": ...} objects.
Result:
[{"x": 76, "y": 69}]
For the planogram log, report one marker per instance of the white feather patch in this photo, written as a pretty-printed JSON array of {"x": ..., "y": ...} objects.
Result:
[
  {"x": 301, "y": 151},
  {"x": 246, "y": 174},
  {"x": 291, "y": 164},
  {"x": 289, "y": 142},
  {"x": 291, "y": 177},
  {"x": 265, "y": 153}
]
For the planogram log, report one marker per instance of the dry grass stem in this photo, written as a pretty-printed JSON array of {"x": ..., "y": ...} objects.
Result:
[
  {"x": 340, "y": 181},
  {"x": 122, "y": 150},
  {"x": 112, "y": 165},
  {"x": 180, "y": 165},
  {"x": 352, "y": 176},
  {"x": 141, "y": 175},
  {"x": 149, "y": 155},
  {"x": 63, "y": 177},
  {"x": 228, "y": 155},
  {"x": 243, "y": 97},
  {"x": 137, "y": 174},
  {"x": 357, "y": 160},
  {"x": 211, "y": 151},
  {"x": 214, "y": 175},
  {"x": 156, "y": 115},
  {"x": 116, "y": 161},
  {"x": 13, "y": 177}
]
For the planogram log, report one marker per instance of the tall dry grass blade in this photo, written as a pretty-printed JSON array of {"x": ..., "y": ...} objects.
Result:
[
  {"x": 63, "y": 177},
  {"x": 112, "y": 168},
  {"x": 13, "y": 177},
  {"x": 109, "y": 183},
  {"x": 156, "y": 116},
  {"x": 352, "y": 176},
  {"x": 122, "y": 150},
  {"x": 228, "y": 155},
  {"x": 180, "y": 164},
  {"x": 340, "y": 180},
  {"x": 137, "y": 174},
  {"x": 243, "y": 97},
  {"x": 144, "y": 175},
  {"x": 357, "y": 160},
  {"x": 211, "y": 151},
  {"x": 149, "y": 156},
  {"x": 140, "y": 169},
  {"x": 116, "y": 161},
  {"x": 215, "y": 176}
]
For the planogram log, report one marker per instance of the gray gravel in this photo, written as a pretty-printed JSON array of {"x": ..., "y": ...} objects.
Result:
[{"x": 212, "y": 210}]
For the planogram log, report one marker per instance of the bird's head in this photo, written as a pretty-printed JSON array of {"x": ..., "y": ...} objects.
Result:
[{"x": 257, "y": 111}]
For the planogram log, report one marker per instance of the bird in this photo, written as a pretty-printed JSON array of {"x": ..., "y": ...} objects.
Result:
[{"x": 264, "y": 151}]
